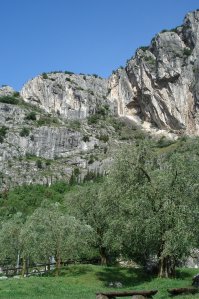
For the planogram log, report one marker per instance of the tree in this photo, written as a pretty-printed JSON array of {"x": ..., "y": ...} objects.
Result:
[
  {"x": 51, "y": 233},
  {"x": 156, "y": 204},
  {"x": 10, "y": 242},
  {"x": 88, "y": 203}
]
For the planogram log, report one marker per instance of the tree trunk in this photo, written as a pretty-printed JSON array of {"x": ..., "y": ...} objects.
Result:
[
  {"x": 103, "y": 256},
  {"x": 23, "y": 267},
  {"x": 166, "y": 267},
  {"x": 58, "y": 264}
]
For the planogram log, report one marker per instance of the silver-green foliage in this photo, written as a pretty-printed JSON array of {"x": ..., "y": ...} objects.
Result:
[{"x": 156, "y": 204}]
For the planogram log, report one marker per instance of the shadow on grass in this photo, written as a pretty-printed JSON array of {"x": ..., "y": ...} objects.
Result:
[
  {"x": 128, "y": 277},
  {"x": 186, "y": 273}
]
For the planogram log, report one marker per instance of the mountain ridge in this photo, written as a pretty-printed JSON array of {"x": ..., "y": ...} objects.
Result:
[{"x": 63, "y": 124}]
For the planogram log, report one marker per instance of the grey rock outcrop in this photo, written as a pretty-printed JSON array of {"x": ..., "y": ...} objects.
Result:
[
  {"x": 160, "y": 85},
  {"x": 61, "y": 122},
  {"x": 67, "y": 95},
  {"x": 6, "y": 90}
]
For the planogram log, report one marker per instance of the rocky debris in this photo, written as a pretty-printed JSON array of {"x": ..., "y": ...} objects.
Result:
[{"x": 115, "y": 284}]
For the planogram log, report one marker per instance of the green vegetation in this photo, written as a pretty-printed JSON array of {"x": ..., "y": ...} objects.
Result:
[
  {"x": 13, "y": 100},
  {"x": 74, "y": 124},
  {"x": 39, "y": 164},
  {"x": 69, "y": 73},
  {"x": 83, "y": 281},
  {"x": 31, "y": 116},
  {"x": 150, "y": 60},
  {"x": 44, "y": 76},
  {"x": 131, "y": 213},
  {"x": 144, "y": 48},
  {"x": 93, "y": 119},
  {"x": 47, "y": 121},
  {"x": 85, "y": 138},
  {"x": 103, "y": 137},
  {"x": 3, "y": 131},
  {"x": 101, "y": 113},
  {"x": 187, "y": 52},
  {"x": 24, "y": 132}
]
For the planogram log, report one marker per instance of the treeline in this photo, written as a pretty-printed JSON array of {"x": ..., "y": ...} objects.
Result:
[{"x": 147, "y": 206}]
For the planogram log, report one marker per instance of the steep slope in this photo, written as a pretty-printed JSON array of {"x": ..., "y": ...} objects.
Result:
[
  {"x": 63, "y": 124},
  {"x": 160, "y": 85},
  {"x": 66, "y": 94},
  {"x": 41, "y": 147}
]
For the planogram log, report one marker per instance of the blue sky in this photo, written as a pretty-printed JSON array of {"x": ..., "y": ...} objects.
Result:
[{"x": 83, "y": 36}]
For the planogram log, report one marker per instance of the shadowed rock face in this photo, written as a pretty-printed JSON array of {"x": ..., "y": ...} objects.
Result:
[{"x": 160, "y": 85}]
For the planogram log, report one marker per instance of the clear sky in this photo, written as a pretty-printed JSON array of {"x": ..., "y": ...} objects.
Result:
[{"x": 83, "y": 36}]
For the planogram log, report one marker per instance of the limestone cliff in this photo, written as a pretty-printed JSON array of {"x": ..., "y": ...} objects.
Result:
[
  {"x": 63, "y": 123},
  {"x": 160, "y": 84},
  {"x": 67, "y": 95}
]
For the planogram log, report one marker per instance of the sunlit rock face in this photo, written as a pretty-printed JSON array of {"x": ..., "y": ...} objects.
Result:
[
  {"x": 68, "y": 95},
  {"x": 160, "y": 84},
  {"x": 50, "y": 121}
]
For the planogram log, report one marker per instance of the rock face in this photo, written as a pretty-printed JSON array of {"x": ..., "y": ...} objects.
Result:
[
  {"x": 60, "y": 123},
  {"x": 68, "y": 95},
  {"x": 160, "y": 85}
]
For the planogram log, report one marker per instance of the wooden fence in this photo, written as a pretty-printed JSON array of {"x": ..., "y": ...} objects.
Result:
[{"x": 42, "y": 268}]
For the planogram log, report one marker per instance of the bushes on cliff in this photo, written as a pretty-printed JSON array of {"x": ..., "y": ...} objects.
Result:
[
  {"x": 13, "y": 100},
  {"x": 3, "y": 131},
  {"x": 24, "y": 132}
]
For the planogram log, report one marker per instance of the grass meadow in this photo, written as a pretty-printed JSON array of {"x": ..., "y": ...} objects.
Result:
[{"x": 83, "y": 281}]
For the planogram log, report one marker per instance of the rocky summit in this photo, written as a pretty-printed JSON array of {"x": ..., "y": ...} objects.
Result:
[{"x": 63, "y": 125}]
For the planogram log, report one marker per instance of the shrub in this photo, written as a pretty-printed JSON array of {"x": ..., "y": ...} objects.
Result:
[
  {"x": 3, "y": 131},
  {"x": 76, "y": 171},
  {"x": 187, "y": 52},
  {"x": 47, "y": 120},
  {"x": 31, "y": 116},
  {"x": 69, "y": 73},
  {"x": 85, "y": 138},
  {"x": 39, "y": 164},
  {"x": 48, "y": 162},
  {"x": 16, "y": 94},
  {"x": 91, "y": 176},
  {"x": 93, "y": 119},
  {"x": 103, "y": 110},
  {"x": 144, "y": 48},
  {"x": 164, "y": 142},
  {"x": 164, "y": 30},
  {"x": 75, "y": 124},
  {"x": 44, "y": 76},
  {"x": 24, "y": 132},
  {"x": 103, "y": 137},
  {"x": 9, "y": 100}
]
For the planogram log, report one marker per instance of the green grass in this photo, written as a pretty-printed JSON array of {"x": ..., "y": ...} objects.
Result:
[{"x": 83, "y": 281}]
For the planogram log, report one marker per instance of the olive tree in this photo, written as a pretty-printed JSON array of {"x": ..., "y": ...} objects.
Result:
[
  {"x": 156, "y": 204},
  {"x": 10, "y": 241},
  {"x": 50, "y": 232}
]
